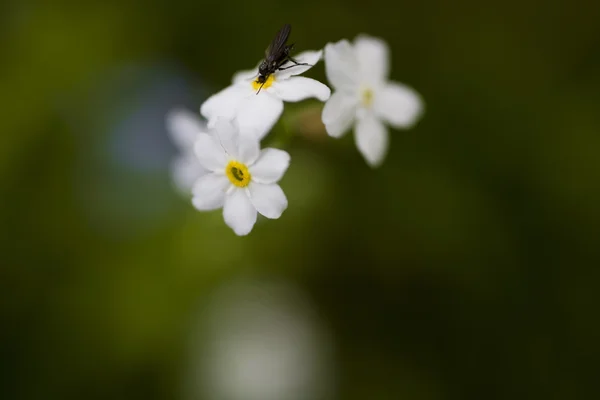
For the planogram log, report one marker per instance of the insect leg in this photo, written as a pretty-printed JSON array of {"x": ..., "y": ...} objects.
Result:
[
  {"x": 295, "y": 65},
  {"x": 296, "y": 62},
  {"x": 263, "y": 84},
  {"x": 288, "y": 58}
]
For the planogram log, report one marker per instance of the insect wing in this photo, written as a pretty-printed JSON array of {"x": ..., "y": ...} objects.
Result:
[{"x": 277, "y": 46}]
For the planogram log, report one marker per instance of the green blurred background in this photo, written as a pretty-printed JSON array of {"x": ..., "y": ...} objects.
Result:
[{"x": 466, "y": 267}]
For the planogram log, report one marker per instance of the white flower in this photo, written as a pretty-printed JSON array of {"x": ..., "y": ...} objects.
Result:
[
  {"x": 257, "y": 111},
  {"x": 242, "y": 179},
  {"x": 184, "y": 127},
  {"x": 259, "y": 339},
  {"x": 364, "y": 97}
]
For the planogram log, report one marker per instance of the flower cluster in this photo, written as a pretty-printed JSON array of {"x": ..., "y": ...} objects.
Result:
[{"x": 221, "y": 162}]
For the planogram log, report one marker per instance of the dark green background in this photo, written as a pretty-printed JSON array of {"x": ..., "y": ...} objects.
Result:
[{"x": 466, "y": 267}]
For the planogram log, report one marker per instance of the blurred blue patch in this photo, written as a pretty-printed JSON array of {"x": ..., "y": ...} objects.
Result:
[{"x": 122, "y": 173}]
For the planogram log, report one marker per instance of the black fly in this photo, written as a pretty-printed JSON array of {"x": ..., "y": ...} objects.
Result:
[{"x": 276, "y": 55}]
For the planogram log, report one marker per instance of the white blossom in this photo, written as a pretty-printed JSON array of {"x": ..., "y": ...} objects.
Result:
[
  {"x": 242, "y": 179},
  {"x": 364, "y": 98},
  {"x": 184, "y": 127},
  {"x": 256, "y": 106},
  {"x": 259, "y": 339}
]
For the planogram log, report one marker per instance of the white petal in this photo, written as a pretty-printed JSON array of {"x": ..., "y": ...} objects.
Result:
[
  {"x": 371, "y": 139},
  {"x": 238, "y": 212},
  {"x": 248, "y": 149},
  {"x": 299, "y": 88},
  {"x": 183, "y": 127},
  {"x": 306, "y": 57},
  {"x": 210, "y": 154},
  {"x": 227, "y": 135},
  {"x": 341, "y": 66},
  {"x": 270, "y": 166},
  {"x": 241, "y": 147},
  {"x": 399, "y": 105},
  {"x": 225, "y": 102},
  {"x": 338, "y": 113},
  {"x": 373, "y": 58},
  {"x": 209, "y": 192},
  {"x": 269, "y": 200},
  {"x": 258, "y": 114},
  {"x": 186, "y": 170},
  {"x": 247, "y": 75}
]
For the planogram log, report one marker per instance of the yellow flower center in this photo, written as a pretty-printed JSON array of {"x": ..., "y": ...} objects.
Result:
[
  {"x": 367, "y": 97},
  {"x": 256, "y": 84},
  {"x": 238, "y": 174}
]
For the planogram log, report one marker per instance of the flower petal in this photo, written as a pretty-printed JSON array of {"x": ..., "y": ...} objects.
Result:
[
  {"x": 258, "y": 113},
  {"x": 238, "y": 212},
  {"x": 226, "y": 134},
  {"x": 209, "y": 192},
  {"x": 185, "y": 171},
  {"x": 338, "y": 113},
  {"x": 306, "y": 57},
  {"x": 183, "y": 127},
  {"x": 210, "y": 154},
  {"x": 248, "y": 149},
  {"x": 341, "y": 66},
  {"x": 299, "y": 88},
  {"x": 371, "y": 139},
  {"x": 373, "y": 58},
  {"x": 269, "y": 200},
  {"x": 270, "y": 166},
  {"x": 398, "y": 105},
  {"x": 225, "y": 103},
  {"x": 246, "y": 75}
]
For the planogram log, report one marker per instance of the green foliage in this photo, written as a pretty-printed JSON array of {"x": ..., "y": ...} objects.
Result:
[{"x": 464, "y": 267}]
